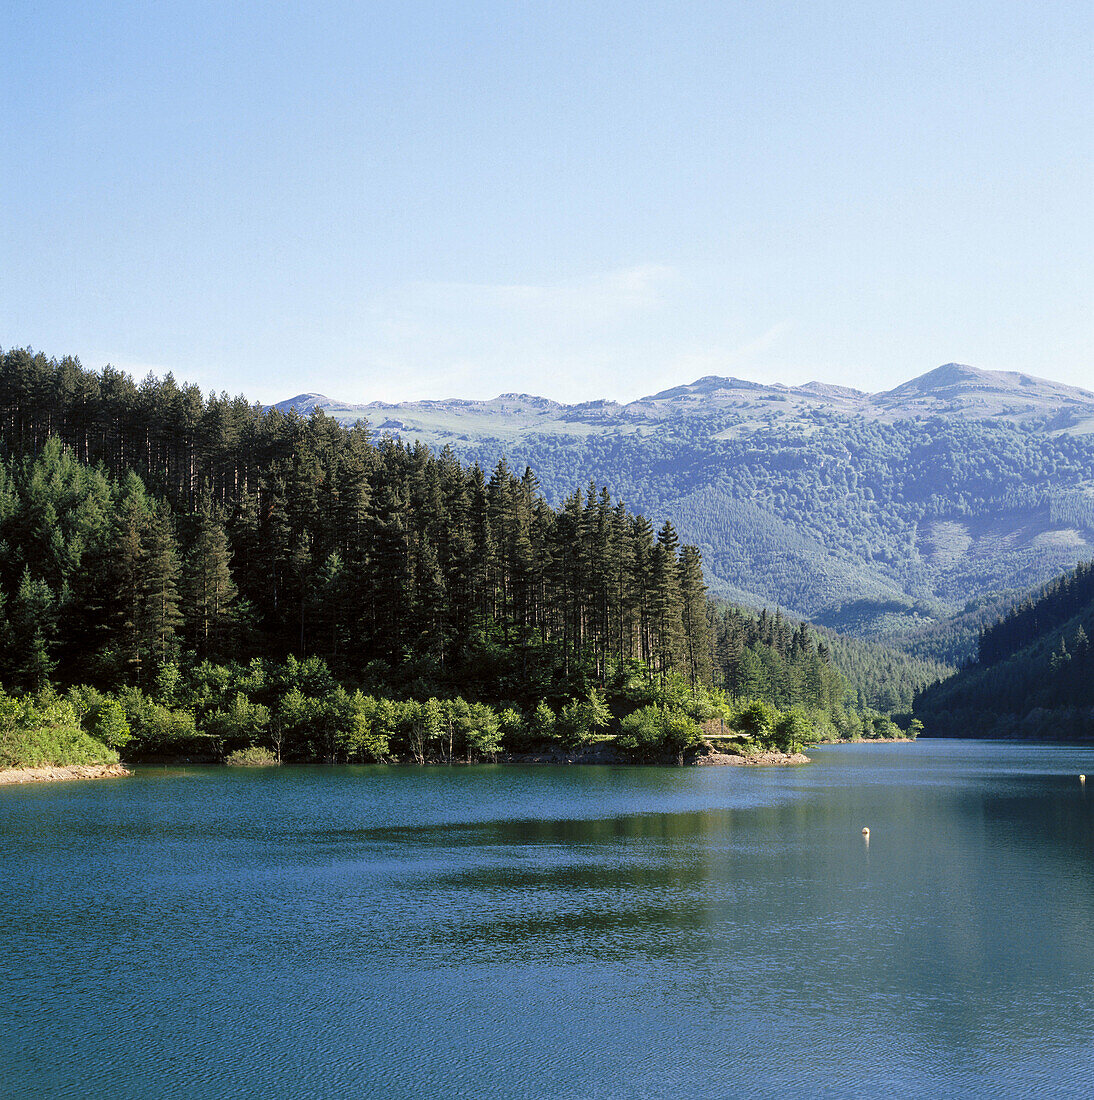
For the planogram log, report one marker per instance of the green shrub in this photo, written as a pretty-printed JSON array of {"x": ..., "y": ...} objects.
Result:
[
  {"x": 793, "y": 731},
  {"x": 580, "y": 719},
  {"x": 512, "y": 730},
  {"x": 653, "y": 731},
  {"x": 359, "y": 733},
  {"x": 240, "y": 720},
  {"x": 757, "y": 719},
  {"x": 541, "y": 724},
  {"x": 640, "y": 732},
  {"x": 254, "y": 756},
  {"x": 46, "y": 734},
  {"x": 483, "y": 731},
  {"x": 157, "y": 727},
  {"x": 101, "y": 716}
]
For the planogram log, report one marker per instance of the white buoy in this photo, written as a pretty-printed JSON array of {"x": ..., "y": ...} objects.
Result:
[{"x": 866, "y": 833}]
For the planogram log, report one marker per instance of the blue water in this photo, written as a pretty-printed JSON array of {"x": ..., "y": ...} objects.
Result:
[{"x": 556, "y": 932}]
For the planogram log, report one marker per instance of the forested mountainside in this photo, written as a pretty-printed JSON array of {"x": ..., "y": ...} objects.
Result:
[
  {"x": 949, "y": 642},
  {"x": 228, "y": 562},
  {"x": 881, "y": 514},
  {"x": 1034, "y": 676},
  {"x": 879, "y": 676}
]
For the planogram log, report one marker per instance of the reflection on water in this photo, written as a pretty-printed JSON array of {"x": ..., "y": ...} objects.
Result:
[{"x": 569, "y": 932}]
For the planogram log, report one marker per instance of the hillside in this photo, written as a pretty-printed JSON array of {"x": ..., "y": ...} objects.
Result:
[
  {"x": 883, "y": 514},
  {"x": 1034, "y": 676}
]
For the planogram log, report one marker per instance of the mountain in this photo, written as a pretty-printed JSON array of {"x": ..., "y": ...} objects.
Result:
[
  {"x": 305, "y": 403},
  {"x": 952, "y": 389},
  {"x": 883, "y": 513},
  {"x": 1034, "y": 676},
  {"x": 982, "y": 394}
]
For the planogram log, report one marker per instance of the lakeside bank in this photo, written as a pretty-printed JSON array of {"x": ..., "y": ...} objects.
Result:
[
  {"x": 707, "y": 756},
  {"x": 56, "y": 774}
]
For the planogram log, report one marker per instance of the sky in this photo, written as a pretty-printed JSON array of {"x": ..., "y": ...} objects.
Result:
[{"x": 389, "y": 201}]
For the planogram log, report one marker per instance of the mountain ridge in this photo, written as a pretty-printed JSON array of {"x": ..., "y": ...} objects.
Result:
[{"x": 950, "y": 387}]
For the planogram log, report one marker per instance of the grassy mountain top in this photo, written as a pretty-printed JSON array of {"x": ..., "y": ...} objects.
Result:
[{"x": 951, "y": 389}]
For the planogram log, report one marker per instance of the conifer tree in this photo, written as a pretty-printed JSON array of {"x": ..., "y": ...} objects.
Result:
[
  {"x": 32, "y": 634},
  {"x": 665, "y": 585},
  {"x": 160, "y": 614},
  {"x": 209, "y": 592},
  {"x": 696, "y": 628},
  {"x": 131, "y": 642}
]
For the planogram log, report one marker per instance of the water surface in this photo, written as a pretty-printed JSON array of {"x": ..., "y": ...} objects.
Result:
[{"x": 556, "y": 932}]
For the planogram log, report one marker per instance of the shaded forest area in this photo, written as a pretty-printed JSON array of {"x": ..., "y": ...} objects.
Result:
[{"x": 1034, "y": 677}]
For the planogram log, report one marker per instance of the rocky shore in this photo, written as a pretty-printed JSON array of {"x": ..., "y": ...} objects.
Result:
[
  {"x": 73, "y": 771},
  {"x": 757, "y": 759},
  {"x": 707, "y": 756}
]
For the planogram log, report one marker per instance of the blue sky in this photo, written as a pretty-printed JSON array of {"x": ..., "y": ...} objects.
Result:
[{"x": 386, "y": 201}]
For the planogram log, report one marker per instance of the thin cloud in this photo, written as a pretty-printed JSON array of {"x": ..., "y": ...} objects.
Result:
[
  {"x": 617, "y": 334},
  {"x": 596, "y": 299},
  {"x": 574, "y": 338}
]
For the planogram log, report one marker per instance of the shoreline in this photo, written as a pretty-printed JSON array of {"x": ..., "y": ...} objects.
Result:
[
  {"x": 56, "y": 774},
  {"x": 586, "y": 756},
  {"x": 705, "y": 759},
  {"x": 872, "y": 741}
]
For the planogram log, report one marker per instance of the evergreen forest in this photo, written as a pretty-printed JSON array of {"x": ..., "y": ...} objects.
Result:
[
  {"x": 194, "y": 576},
  {"x": 1034, "y": 674}
]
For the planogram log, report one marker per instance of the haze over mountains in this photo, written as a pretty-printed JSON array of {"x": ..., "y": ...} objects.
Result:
[
  {"x": 878, "y": 513},
  {"x": 950, "y": 389}
]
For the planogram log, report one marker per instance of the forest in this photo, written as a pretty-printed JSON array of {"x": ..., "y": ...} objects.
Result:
[
  {"x": 200, "y": 576},
  {"x": 1034, "y": 676}
]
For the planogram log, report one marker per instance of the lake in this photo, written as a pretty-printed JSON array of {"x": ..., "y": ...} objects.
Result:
[{"x": 570, "y": 932}]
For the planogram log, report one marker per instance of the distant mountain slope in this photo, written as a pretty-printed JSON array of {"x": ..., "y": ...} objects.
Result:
[
  {"x": 881, "y": 676},
  {"x": 880, "y": 513},
  {"x": 952, "y": 388},
  {"x": 1035, "y": 674},
  {"x": 981, "y": 393},
  {"x": 305, "y": 403}
]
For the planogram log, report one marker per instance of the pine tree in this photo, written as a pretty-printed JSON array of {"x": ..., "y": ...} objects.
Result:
[
  {"x": 642, "y": 555},
  {"x": 129, "y": 646},
  {"x": 160, "y": 617},
  {"x": 696, "y": 628},
  {"x": 32, "y": 634},
  {"x": 209, "y": 593},
  {"x": 666, "y": 603}
]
